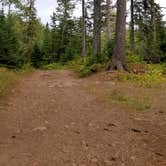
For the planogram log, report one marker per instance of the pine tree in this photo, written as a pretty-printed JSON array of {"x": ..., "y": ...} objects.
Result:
[
  {"x": 8, "y": 41},
  {"x": 83, "y": 29},
  {"x": 29, "y": 23},
  {"x": 46, "y": 49},
  {"x": 132, "y": 37},
  {"x": 118, "y": 58},
  {"x": 97, "y": 28},
  {"x": 147, "y": 18},
  {"x": 62, "y": 32}
]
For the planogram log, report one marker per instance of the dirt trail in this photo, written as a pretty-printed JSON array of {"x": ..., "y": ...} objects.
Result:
[{"x": 53, "y": 119}]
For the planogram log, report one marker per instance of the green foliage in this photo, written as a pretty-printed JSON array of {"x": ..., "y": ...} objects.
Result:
[
  {"x": 75, "y": 65},
  {"x": 133, "y": 59},
  {"x": 149, "y": 41},
  {"x": 153, "y": 76},
  {"x": 88, "y": 70},
  {"x": 116, "y": 96},
  {"x": 82, "y": 67},
  {"x": 23, "y": 38},
  {"x": 26, "y": 69},
  {"x": 54, "y": 66},
  {"x": 65, "y": 40},
  {"x": 164, "y": 68},
  {"x": 139, "y": 104},
  {"x": 8, "y": 42},
  {"x": 108, "y": 49},
  {"x": 36, "y": 56},
  {"x": 7, "y": 78}
]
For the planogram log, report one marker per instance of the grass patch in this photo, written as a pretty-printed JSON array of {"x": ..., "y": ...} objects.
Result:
[
  {"x": 26, "y": 69},
  {"x": 7, "y": 79},
  {"x": 83, "y": 68},
  {"x": 54, "y": 66},
  {"x": 88, "y": 70},
  {"x": 117, "y": 96},
  {"x": 153, "y": 76},
  {"x": 139, "y": 104}
]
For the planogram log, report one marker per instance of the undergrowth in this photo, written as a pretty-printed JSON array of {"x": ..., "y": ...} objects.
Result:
[
  {"x": 142, "y": 74},
  {"x": 151, "y": 76},
  {"x": 140, "y": 104},
  {"x": 8, "y": 78},
  {"x": 83, "y": 67}
]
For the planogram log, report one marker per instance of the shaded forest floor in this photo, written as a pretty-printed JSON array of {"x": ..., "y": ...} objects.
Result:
[{"x": 53, "y": 118}]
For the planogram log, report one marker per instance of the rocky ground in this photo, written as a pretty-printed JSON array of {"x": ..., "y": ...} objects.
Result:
[{"x": 53, "y": 118}]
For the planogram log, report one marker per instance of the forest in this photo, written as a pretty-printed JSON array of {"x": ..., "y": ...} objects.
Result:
[
  {"x": 93, "y": 36},
  {"x": 87, "y": 88}
]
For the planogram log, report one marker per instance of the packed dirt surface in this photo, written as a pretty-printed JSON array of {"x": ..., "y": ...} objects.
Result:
[{"x": 53, "y": 118}]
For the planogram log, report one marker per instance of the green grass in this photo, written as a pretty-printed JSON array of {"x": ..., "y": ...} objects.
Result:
[
  {"x": 7, "y": 79},
  {"x": 54, "y": 66},
  {"x": 26, "y": 69},
  {"x": 83, "y": 68},
  {"x": 154, "y": 75},
  {"x": 139, "y": 104},
  {"x": 151, "y": 76}
]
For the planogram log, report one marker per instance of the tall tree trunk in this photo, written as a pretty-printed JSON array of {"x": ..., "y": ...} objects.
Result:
[
  {"x": 9, "y": 8},
  {"x": 108, "y": 20},
  {"x": 83, "y": 30},
  {"x": 97, "y": 28},
  {"x": 153, "y": 20},
  {"x": 132, "y": 36},
  {"x": 118, "y": 59}
]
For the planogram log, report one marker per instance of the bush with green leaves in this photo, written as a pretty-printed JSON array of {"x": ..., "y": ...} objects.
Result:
[
  {"x": 134, "y": 59},
  {"x": 153, "y": 76},
  {"x": 108, "y": 49},
  {"x": 88, "y": 70}
]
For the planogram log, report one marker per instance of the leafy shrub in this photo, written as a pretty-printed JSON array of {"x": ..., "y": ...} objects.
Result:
[
  {"x": 108, "y": 50},
  {"x": 36, "y": 56},
  {"x": 84, "y": 72},
  {"x": 88, "y": 70},
  {"x": 133, "y": 59},
  {"x": 76, "y": 64},
  {"x": 153, "y": 76}
]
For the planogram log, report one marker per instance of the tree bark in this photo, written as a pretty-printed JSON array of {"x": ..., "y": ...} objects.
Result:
[
  {"x": 83, "y": 30},
  {"x": 132, "y": 36},
  {"x": 118, "y": 58},
  {"x": 97, "y": 28},
  {"x": 108, "y": 20},
  {"x": 153, "y": 20}
]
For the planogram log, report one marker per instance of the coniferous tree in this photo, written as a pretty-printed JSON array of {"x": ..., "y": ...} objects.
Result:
[
  {"x": 29, "y": 24},
  {"x": 83, "y": 29},
  {"x": 148, "y": 18},
  {"x": 8, "y": 41},
  {"x": 118, "y": 58},
  {"x": 97, "y": 28},
  {"x": 132, "y": 38},
  {"x": 46, "y": 48},
  {"x": 108, "y": 20}
]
